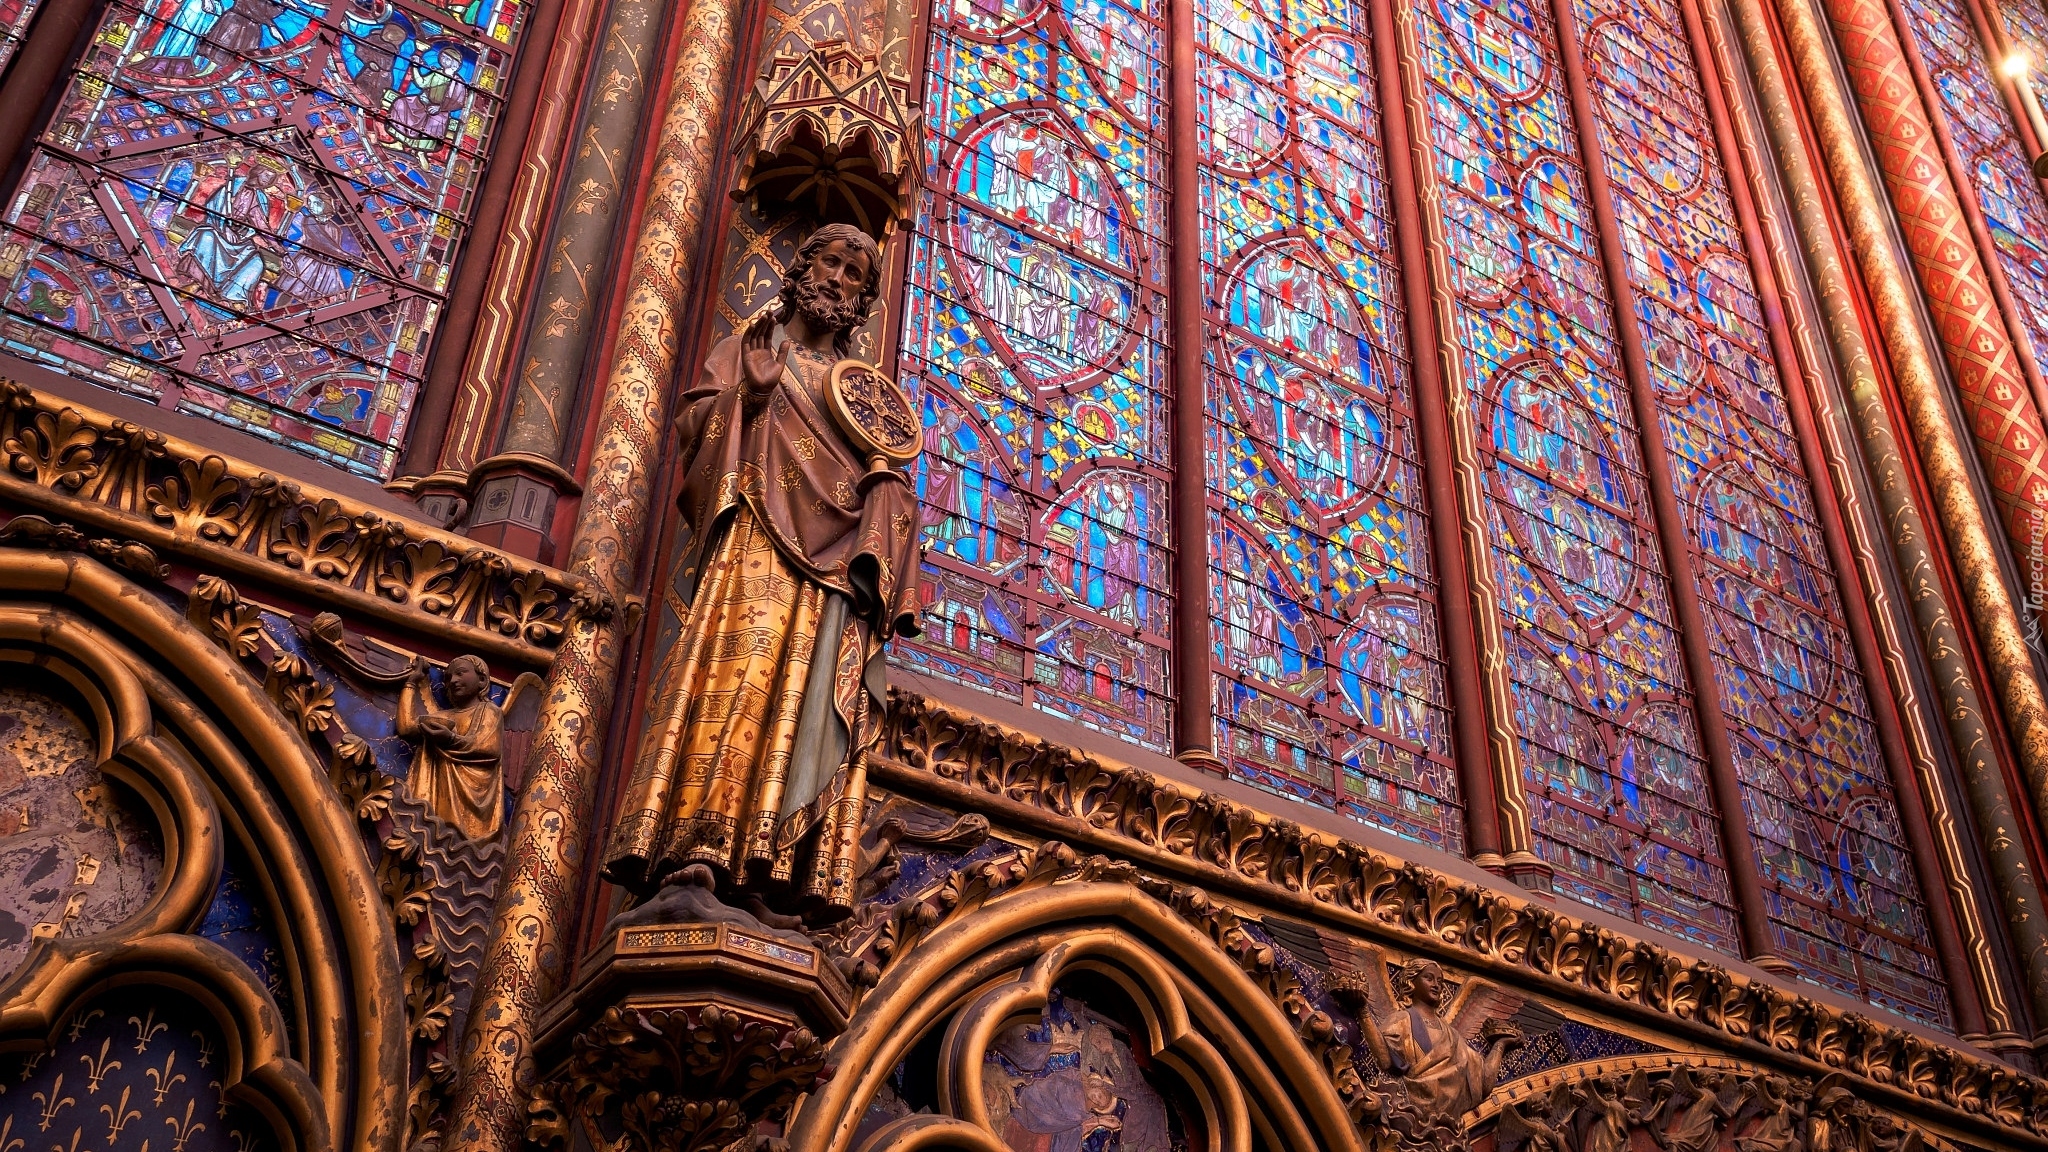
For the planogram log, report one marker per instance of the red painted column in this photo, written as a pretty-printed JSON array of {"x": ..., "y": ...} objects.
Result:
[
  {"x": 1673, "y": 536},
  {"x": 1999, "y": 412},
  {"x": 1470, "y": 671},
  {"x": 1891, "y": 734},
  {"x": 1194, "y": 729}
]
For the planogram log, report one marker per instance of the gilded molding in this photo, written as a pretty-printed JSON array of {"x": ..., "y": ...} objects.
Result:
[
  {"x": 528, "y": 951},
  {"x": 1046, "y": 789},
  {"x": 79, "y": 466}
]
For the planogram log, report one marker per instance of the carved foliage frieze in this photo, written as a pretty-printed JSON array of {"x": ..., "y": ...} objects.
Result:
[{"x": 135, "y": 492}]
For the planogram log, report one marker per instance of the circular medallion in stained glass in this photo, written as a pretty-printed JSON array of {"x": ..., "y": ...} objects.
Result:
[{"x": 874, "y": 412}]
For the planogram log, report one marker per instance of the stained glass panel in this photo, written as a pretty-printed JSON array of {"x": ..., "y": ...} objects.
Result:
[
  {"x": 1331, "y": 685},
  {"x": 1843, "y": 900},
  {"x": 1610, "y": 752},
  {"x": 250, "y": 210},
  {"x": 1034, "y": 339}
]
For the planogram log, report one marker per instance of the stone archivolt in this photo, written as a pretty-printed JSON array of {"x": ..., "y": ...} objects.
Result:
[{"x": 82, "y": 467}]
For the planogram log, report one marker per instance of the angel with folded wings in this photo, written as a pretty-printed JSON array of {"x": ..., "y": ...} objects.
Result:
[{"x": 1418, "y": 1029}]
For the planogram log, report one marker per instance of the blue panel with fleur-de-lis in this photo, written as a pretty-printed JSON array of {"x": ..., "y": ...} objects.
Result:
[{"x": 136, "y": 1067}]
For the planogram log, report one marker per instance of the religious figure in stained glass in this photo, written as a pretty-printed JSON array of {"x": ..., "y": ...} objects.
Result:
[
  {"x": 1034, "y": 339},
  {"x": 253, "y": 208},
  {"x": 798, "y": 571}
]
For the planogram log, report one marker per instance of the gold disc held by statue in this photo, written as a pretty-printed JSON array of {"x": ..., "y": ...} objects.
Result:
[{"x": 874, "y": 412}]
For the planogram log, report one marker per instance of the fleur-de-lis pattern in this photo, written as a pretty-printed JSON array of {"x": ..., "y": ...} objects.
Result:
[{"x": 93, "y": 1090}]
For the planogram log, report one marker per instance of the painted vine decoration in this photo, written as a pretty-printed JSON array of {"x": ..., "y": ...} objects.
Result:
[
  {"x": 947, "y": 755},
  {"x": 106, "y": 475}
]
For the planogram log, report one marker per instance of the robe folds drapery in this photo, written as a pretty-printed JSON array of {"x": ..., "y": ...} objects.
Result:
[{"x": 791, "y": 582}]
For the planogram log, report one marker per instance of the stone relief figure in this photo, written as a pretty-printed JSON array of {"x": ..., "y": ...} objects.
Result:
[
  {"x": 801, "y": 563},
  {"x": 458, "y": 760},
  {"x": 1422, "y": 1044},
  {"x": 1692, "y": 1110}
]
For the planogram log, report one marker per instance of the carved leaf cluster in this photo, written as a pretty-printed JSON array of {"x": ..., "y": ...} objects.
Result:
[
  {"x": 694, "y": 1079},
  {"x": 175, "y": 496}
]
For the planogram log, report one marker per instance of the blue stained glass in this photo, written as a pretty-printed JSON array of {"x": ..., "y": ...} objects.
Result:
[
  {"x": 1846, "y": 908},
  {"x": 1331, "y": 685},
  {"x": 1034, "y": 340},
  {"x": 251, "y": 210},
  {"x": 1610, "y": 752}
]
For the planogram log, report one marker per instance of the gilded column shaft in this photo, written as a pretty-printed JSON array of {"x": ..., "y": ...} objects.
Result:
[
  {"x": 1838, "y": 430},
  {"x": 476, "y": 395},
  {"x": 1983, "y": 362},
  {"x": 527, "y": 955},
  {"x": 1941, "y": 453},
  {"x": 559, "y": 328}
]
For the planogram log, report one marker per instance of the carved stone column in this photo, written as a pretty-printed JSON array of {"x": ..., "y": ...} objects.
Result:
[
  {"x": 515, "y": 490},
  {"x": 1908, "y": 534},
  {"x": 2003, "y": 426},
  {"x": 551, "y": 825}
]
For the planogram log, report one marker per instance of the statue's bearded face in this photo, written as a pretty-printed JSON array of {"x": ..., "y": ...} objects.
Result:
[{"x": 829, "y": 297}]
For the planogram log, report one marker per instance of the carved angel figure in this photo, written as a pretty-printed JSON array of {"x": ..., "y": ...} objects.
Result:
[
  {"x": 1416, "y": 1027},
  {"x": 1692, "y": 1111},
  {"x": 1768, "y": 1099},
  {"x": 458, "y": 760}
]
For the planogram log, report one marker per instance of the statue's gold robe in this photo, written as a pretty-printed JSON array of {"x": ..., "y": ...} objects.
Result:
[
  {"x": 770, "y": 686},
  {"x": 460, "y": 780}
]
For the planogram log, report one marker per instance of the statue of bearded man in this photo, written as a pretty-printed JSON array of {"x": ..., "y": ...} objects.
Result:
[{"x": 801, "y": 563}]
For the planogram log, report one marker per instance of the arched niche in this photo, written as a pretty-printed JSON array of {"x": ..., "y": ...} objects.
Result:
[
  {"x": 1211, "y": 1036},
  {"x": 314, "y": 1045}
]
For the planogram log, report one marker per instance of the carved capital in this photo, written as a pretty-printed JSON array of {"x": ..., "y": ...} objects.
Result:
[{"x": 685, "y": 1037}]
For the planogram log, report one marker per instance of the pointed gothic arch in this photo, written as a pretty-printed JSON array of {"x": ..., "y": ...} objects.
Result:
[
  {"x": 1200, "y": 1015},
  {"x": 319, "y": 1050}
]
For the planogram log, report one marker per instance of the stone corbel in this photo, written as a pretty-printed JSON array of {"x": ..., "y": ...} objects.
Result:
[{"x": 685, "y": 1036}]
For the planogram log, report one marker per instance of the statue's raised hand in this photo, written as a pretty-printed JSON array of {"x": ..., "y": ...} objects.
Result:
[{"x": 758, "y": 359}]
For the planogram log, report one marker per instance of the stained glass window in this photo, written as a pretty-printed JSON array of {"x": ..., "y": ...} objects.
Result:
[
  {"x": 1036, "y": 299},
  {"x": 1989, "y": 148},
  {"x": 1330, "y": 682},
  {"x": 1034, "y": 338},
  {"x": 1843, "y": 901},
  {"x": 14, "y": 20},
  {"x": 1610, "y": 749},
  {"x": 250, "y": 210}
]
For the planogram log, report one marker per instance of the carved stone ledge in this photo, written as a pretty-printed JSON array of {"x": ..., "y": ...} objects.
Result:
[
  {"x": 76, "y": 465},
  {"x": 683, "y": 1038},
  {"x": 964, "y": 763}
]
